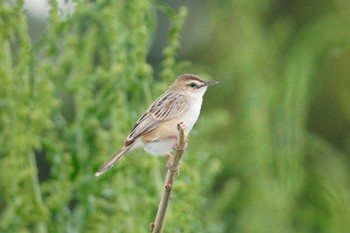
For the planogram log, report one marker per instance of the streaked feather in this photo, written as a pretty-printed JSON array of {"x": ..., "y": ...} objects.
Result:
[{"x": 165, "y": 108}]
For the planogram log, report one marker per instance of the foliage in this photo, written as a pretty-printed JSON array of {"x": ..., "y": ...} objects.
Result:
[
  {"x": 270, "y": 152},
  {"x": 65, "y": 102},
  {"x": 279, "y": 174}
]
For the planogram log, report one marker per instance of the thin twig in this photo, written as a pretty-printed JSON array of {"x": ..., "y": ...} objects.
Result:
[{"x": 157, "y": 226}]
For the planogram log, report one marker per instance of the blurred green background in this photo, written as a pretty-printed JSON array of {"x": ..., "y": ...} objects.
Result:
[{"x": 270, "y": 152}]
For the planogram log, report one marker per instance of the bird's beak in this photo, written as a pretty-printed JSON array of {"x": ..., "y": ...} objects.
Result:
[{"x": 211, "y": 82}]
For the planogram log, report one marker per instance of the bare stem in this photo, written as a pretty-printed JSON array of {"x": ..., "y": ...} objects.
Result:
[{"x": 157, "y": 226}]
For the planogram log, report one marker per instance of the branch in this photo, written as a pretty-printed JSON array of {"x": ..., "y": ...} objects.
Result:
[{"x": 157, "y": 226}]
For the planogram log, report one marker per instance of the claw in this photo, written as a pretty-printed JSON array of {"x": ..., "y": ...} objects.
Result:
[
  {"x": 175, "y": 147},
  {"x": 170, "y": 163}
]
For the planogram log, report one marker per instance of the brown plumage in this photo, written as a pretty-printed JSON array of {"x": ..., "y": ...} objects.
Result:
[{"x": 156, "y": 130}]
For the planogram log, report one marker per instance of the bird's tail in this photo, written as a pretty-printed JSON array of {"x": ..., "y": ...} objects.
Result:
[{"x": 112, "y": 161}]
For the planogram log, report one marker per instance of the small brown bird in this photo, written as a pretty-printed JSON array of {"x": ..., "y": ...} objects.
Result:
[{"x": 156, "y": 130}]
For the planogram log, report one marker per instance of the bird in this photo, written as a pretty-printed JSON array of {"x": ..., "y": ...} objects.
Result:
[{"x": 156, "y": 130}]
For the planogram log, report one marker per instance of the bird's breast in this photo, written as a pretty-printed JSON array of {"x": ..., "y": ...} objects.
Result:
[
  {"x": 160, "y": 140},
  {"x": 190, "y": 117}
]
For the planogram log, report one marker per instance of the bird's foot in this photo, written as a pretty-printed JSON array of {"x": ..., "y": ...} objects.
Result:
[
  {"x": 170, "y": 163},
  {"x": 175, "y": 146}
]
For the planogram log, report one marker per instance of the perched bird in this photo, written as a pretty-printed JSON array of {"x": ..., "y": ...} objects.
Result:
[{"x": 156, "y": 130}]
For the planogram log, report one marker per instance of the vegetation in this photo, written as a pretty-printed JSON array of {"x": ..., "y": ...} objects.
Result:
[{"x": 270, "y": 152}]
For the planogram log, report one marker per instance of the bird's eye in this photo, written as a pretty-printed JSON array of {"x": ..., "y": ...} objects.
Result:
[{"x": 193, "y": 85}]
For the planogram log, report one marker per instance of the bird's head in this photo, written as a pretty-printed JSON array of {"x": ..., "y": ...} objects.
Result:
[{"x": 191, "y": 84}]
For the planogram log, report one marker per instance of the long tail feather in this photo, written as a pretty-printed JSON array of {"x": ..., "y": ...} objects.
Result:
[{"x": 112, "y": 161}]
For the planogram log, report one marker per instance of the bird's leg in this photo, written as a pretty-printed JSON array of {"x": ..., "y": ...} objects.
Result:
[
  {"x": 170, "y": 163},
  {"x": 175, "y": 147}
]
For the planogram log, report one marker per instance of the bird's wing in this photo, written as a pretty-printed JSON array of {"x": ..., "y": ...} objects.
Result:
[{"x": 165, "y": 108}]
